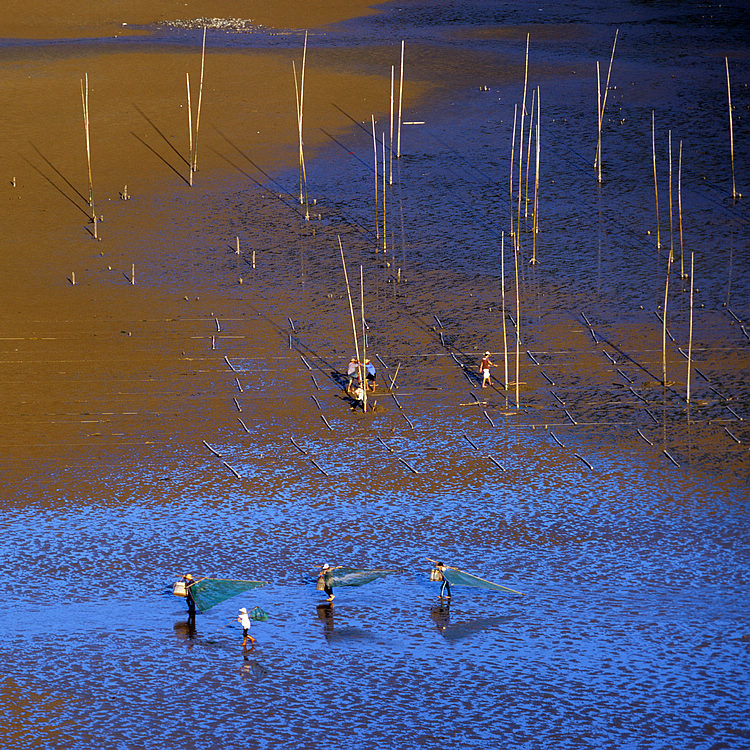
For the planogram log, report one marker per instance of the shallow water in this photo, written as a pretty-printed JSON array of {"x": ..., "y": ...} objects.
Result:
[{"x": 632, "y": 632}]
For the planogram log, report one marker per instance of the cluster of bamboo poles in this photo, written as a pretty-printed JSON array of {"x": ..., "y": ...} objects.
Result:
[
  {"x": 387, "y": 165},
  {"x": 519, "y": 194}
]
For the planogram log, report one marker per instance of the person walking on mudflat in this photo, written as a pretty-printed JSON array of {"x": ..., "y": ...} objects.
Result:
[
  {"x": 484, "y": 368},
  {"x": 244, "y": 621}
]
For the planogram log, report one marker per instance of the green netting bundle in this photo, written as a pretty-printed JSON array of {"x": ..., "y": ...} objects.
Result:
[{"x": 209, "y": 592}]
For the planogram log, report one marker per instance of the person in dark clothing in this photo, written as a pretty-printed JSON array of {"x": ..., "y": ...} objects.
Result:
[
  {"x": 189, "y": 581},
  {"x": 446, "y": 587}
]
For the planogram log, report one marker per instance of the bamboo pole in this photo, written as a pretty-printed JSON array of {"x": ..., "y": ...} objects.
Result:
[
  {"x": 85, "y": 104},
  {"x": 735, "y": 195},
  {"x": 528, "y": 155},
  {"x": 679, "y": 209},
  {"x": 690, "y": 328},
  {"x": 671, "y": 227},
  {"x": 385, "y": 243},
  {"x": 502, "y": 289},
  {"x": 190, "y": 131},
  {"x": 518, "y": 332},
  {"x": 598, "y": 114},
  {"x": 200, "y": 100},
  {"x": 303, "y": 199},
  {"x": 520, "y": 144},
  {"x": 400, "y": 102},
  {"x": 390, "y": 159},
  {"x": 656, "y": 187},
  {"x": 664, "y": 324},
  {"x": 604, "y": 104},
  {"x": 363, "y": 380},
  {"x": 351, "y": 311},
  {"x": 299, "y": 139},
  {"x": 512, "y": 165},
  {"x": 536, "y": 176},
  {"x": 377, "y": 189}
]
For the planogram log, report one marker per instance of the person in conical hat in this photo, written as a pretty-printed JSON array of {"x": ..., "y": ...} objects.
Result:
[{"x": 244, "y": 621}]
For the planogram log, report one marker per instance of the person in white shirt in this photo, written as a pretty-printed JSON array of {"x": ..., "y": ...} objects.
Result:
[{"x": 244, "y": 621}]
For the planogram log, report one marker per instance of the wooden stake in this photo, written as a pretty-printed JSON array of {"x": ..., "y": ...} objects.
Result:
[
  {"x": 735, "y": 195},
  {"x": 656, "y": 186},
  {"x": 377, "y": 188},
  {"x": 237, "y": 251},
  {"x": 200, "y": 99},
  {"x": 690, "y": 328},
  {"x": 400, "y": 101},
  {"x": 190, "y": 131},
  {"x": 598, "y": 115},
  {"x": 132, "y": 274}
]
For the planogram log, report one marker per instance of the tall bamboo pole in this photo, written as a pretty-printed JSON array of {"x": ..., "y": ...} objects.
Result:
[
  {"x": 502, "y": 289},
  {"x": 604, "y": 104},
  {"x": 85, "y": 105},
  {"x": 390, "y": 158},
  {"x": 664, "y": 324},
  {"x": 690, "y": 330},
  {"x": 528, "y": 155},
  {"x": 364, "y": 338},
  {"x": 671, "y": 227},
  {"x": 679, "y": 209},
  {"x": 656, "y": 187},
  {"x": 520, "y": 144},
  {"x": 598, "y": 113},
  {"x": 400, "y": 102},
  {"x": 190, "y": 131},
  {"x": 518, "y": 332},
  {"x": 536, "y": 176},
  {"x": 200, "y": 100},
  {"x": 351, "y": 311},
  {"x": 300, "y": 118},
  {"x": 385, "y": 243},
  {"x": 377, "y": 188},
  {"x": 512, "y": 166},
  {"x": 731, "y": 129}
]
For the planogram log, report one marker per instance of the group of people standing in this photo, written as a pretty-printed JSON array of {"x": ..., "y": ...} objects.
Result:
[{"x": 354, "y": 372}]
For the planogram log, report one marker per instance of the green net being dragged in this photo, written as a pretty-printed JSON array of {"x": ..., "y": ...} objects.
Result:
[
  {"x": 353, "y": 576},
  {"x": 457, "y": 577},
  {"x": 210, "y": 591}
]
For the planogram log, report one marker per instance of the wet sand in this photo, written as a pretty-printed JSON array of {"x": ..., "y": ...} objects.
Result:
[{"x": 619, "y": 510}]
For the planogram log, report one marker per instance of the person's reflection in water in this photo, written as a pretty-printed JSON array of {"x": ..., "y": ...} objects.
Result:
[
  {"x": 185, "y": 631},
  {"x": 325, "y": 613},
  {"x": 441, "y": 615}
]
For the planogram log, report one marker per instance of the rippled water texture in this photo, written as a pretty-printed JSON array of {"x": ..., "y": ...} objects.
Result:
[{"x": 621, "y": 513}]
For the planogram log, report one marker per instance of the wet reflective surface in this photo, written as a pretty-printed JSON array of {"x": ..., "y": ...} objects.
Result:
[{"x": 620, "y": 511}]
